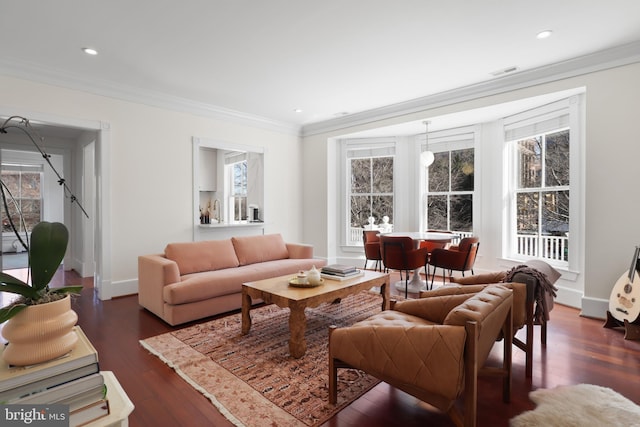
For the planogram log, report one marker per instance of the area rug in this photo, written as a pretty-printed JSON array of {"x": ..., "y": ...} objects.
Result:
[
  {"x": 577, "y": 406},
  {"x": 252, "y": 379}
]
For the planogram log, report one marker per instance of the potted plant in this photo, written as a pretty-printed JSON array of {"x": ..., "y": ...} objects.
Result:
[{"x": 39, "y": 323}]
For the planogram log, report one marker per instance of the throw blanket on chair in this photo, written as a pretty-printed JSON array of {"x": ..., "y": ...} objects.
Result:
[{"x": 544, "y": 291}]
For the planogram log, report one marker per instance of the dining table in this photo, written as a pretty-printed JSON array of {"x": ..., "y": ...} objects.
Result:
[{"x": 416, "y": 284}]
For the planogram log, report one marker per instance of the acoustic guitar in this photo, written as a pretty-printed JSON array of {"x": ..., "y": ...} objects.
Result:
[{"x": 624, "y": 303}]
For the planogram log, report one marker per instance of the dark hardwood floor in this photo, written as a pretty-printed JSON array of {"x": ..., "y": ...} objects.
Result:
[{"x": 579, "y": 350}]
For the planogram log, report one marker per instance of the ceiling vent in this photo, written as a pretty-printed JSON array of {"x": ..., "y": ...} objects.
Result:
[{"x": 504, "y": 71}]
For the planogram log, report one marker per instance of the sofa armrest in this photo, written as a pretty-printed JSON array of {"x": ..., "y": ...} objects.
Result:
[
  {"x": 154, "y": 273},
  {"x": 300, "y": 250}
]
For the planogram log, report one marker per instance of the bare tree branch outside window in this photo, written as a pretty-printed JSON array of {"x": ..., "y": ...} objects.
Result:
[
  {"x": 371, "y": 189},
  {"x": 542, "y": 195},
  {"x": 451, "y": 185}
]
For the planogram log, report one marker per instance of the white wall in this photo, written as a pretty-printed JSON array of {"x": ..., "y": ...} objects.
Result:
[
  {"x": 611, "y": 151},
  {"x": 151, "y": 168}
]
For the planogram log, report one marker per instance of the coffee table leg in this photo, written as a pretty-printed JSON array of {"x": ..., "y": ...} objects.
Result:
[
  {"x": 385, "y": 291},
  {"x": 246, "y": 308},
  {"x": 297, "y": 326}
]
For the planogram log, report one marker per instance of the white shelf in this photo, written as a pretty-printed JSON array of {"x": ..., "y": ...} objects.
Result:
[{"x": 120, "y": 407}]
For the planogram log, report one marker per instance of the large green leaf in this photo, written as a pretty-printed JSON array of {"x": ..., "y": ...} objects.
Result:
[
  {"x": 24, "y": 290},
  {"x": 8, "y": 312},
  {"x": 48, "y": 246},
  {"x": 11, "y": 280}
]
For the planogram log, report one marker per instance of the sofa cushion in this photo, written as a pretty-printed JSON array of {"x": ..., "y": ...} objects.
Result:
[
  {"x": 208, "y": 255},
  {"x": 254, "y": 249}
]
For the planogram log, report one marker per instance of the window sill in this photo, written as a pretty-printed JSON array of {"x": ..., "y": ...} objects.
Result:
[{"x": 567, "y": 274}]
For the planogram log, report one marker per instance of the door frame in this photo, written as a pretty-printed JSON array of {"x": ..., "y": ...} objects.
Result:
[{"x": 102, "y": 164}]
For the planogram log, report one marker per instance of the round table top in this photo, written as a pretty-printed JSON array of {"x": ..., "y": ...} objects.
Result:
[{"x": 423, "y": 235}]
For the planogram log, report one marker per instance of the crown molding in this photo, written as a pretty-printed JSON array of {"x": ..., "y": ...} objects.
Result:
[
  {"x": 610, "y": 58},
  {"x": 29, "y": 71},
  {"x": 598, "y": 61}
]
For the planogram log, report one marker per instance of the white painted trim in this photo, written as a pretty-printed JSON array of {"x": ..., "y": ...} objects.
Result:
[
  {"x": 124, "y": 287},
  {"x": 102, "y": 276},
  {"x": 102, "y": 256},
  {"x": 28, "y": 71},
  {"x": 594, "y": 307},
  {"x": 598, "y": 61}
]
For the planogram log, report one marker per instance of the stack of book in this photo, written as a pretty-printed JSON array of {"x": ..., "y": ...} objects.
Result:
[
  {"x": 73, "y": 379},
  {"x": 339, "y": 272}
]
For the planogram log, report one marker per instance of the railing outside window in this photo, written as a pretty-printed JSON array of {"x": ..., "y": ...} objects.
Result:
[{"x": 553, "y": 248}]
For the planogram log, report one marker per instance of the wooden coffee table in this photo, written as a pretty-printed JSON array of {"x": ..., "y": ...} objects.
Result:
[{"x": 278, "y": 291}]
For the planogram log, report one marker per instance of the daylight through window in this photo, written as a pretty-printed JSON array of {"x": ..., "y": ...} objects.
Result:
[
  {"x": 24, "y": 183},
  {"x": 238, "y": 192},
  {"x": 450, "y": 191},
  {"x": 542, "y": 195}
]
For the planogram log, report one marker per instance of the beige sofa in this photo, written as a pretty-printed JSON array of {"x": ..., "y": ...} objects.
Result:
[{"x": 193, "y": 280}]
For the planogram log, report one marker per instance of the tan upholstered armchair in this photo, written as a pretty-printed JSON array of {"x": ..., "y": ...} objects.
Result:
[
  {"x": 432, "y": 348},
  {"x": 529, "y": 295}
]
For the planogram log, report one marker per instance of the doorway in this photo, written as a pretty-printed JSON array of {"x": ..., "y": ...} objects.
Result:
[{"x": 76, "y": 146}]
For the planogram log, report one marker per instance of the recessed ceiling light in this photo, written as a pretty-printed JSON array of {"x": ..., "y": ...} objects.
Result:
[
  {"x": 544, "y": 34},
  {"x": 89, "y": 51},
  {"x": 298, "y": 110}
]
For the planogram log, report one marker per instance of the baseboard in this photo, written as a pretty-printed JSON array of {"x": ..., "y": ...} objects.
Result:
[
  {"x": 119, "y": 289},
  {"x": 595, "y": 308}
]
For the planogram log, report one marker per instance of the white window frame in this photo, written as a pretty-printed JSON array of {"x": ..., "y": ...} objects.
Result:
[
  {"x": 566, "y": 113},
  {"x": 230, "y": 162},
  {"x": 360, "y": 148},
  {"x": 20, "y": 168},
  {"x": 447, "y": 141}
]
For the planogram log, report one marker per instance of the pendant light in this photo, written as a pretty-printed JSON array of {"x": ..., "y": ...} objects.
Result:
[{"x": 426, "y": 156}]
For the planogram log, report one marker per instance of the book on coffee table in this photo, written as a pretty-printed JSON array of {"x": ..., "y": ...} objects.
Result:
[
  {"x": 339, "y": 270},
  {"x": 341, "y": 278}
]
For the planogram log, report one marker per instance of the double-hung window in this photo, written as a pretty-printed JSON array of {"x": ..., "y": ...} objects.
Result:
[
  {"x": 542, "y": 195},
  {"x": 369, "y": 186},
  {"x": 24, "y": 182},
  {"x": 541, "y": 146},
  {"x": 236, "y": 170},
  {"x": 451, "y": 184}
]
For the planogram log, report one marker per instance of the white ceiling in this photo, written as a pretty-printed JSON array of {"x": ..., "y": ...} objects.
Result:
[{"x": 330, "y": 57}]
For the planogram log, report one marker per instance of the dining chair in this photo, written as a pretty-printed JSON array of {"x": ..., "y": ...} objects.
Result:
[
  {"x": 434, "y": 244},
  {"x": 371, "y": 241},
  {"x": 461, "y": 257},
  {"x": 399, "y": 253}
]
